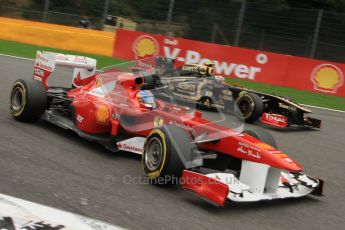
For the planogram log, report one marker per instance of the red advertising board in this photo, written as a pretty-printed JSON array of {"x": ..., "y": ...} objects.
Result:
[
  {"x": 315, "y": 75},
  {"x": 247, "y": 64}
]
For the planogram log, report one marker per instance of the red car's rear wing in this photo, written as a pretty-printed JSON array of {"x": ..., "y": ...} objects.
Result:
[{"x": 45, "y": 63}]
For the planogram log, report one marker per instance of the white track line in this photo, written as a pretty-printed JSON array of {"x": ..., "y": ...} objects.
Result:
[
  {"x": 317, "y": 107},
  {"x": 17, "y": 213},
  {"x": 11, "y": 56},
  {"x": 312, "y": 106}
]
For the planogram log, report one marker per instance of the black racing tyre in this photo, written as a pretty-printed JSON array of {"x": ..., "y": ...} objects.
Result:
[
  {"x": 28, "y": 100},
  {"x": 262, "y": 135},
  {"x": 167, "y": 150},
  {"x": 250, "y": 105}
]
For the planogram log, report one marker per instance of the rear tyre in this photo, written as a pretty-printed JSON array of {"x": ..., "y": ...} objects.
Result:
[
  {"x": 250, "y": 105},
  {"x": 28, "y": 100},
  {"x": 263, "y": 136},
  {"x": 166, "y": 151}
]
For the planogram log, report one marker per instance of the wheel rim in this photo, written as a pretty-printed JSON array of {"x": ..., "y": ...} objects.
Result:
[
  {"x": 17, "y": 99},
  {"x": 154, "y": 154},
  {"x": 245, "y": 107}
]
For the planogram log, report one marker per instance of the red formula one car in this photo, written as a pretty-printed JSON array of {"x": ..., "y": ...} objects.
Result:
[{"x": 119, "y": 109}]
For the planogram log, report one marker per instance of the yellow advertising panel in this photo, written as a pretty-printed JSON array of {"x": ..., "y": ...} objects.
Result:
[{"x": 57, "y": 36}]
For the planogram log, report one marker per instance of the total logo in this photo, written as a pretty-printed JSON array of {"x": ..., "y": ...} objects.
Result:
[
  {"x": 327, "y": 78},
  {"x": 276, "y": 118}
]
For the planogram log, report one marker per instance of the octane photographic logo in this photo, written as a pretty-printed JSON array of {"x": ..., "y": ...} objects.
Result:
[
  {"x": 145, "y": 46},
  {"x": 327, "y": 78},
  {"x": 143, "y": 180}
]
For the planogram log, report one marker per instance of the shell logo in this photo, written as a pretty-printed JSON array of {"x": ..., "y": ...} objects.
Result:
[
  {"x": 327, "y": 78},
  {"x": 103, "y": 114},
  {"x": 145, "y": 46}
]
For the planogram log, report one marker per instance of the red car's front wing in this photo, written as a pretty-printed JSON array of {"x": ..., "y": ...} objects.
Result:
[{"x": 220, "y": 187}]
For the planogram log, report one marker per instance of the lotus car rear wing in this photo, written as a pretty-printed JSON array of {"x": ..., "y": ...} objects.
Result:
[{"x": 45, "y": 63}]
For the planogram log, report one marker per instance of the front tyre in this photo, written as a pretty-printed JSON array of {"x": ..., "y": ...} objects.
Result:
[
  {"x": 166, "y": 152},
  {"x": 250, "y": 105},
  {"x": 28, "y": 100}
]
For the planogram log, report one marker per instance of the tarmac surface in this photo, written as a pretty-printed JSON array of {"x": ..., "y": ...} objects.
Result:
[{"x": 45, "y": 164}]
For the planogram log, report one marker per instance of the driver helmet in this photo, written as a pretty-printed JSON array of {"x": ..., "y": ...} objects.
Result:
[
  {"x": 209, "y": 63},
  {"x": 146, "y": 99},
  {"x": 210, "y": 67}
]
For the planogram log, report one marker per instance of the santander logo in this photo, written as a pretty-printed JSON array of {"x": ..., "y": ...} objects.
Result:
[{"x": 125, "y": 147}]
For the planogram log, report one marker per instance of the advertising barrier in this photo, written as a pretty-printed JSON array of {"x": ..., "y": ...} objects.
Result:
[
  {"x": 57, "y": 36},
  {"x": 253, "y": 65}
]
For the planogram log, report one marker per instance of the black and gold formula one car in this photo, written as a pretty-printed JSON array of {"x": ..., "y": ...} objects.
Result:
[{"x": 198, "y": 83}]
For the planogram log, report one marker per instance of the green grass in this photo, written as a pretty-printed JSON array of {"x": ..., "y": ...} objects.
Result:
[
  {"x": 304, "y": 97},
  {"x": 300, "y": 96}
]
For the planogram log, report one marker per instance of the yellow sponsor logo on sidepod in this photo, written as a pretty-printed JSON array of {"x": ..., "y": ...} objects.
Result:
[
  {"x": 103, "y": 114},
  {"x": 158, "y": 122}
]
